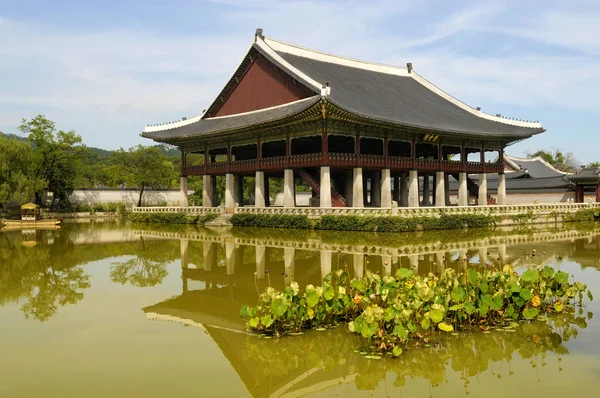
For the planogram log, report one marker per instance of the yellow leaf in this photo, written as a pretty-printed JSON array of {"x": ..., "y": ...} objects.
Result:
[
  {"x": 445, "y": 327},
  {"x": 536, "y": 301}
]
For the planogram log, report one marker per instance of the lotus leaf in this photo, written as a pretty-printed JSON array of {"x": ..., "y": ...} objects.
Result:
[{"x": 445, "y": 327}]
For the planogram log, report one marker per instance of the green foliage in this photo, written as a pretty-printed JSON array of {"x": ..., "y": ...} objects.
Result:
[
  {"x": 55, "y": 159},
  {"x": 391, "y": 312},
  {"x": 171, "y": 218},
  {"x": 271, "y": 221},
  {"x": 113, "y": 207},
  {"x": 582, "y": 215},
  {"x": 365, "y": 223},
  {"x": 402, "y": 224},
  {"x": 523, "y": 218},
  {"x": 144, "y": 167},
  {"x": 17, "y": 182}
]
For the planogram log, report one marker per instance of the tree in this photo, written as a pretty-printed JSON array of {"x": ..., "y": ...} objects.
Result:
[
  {"x": 594, "y": 164},
  {"x": 55, "y": 159},
  {"x": 16, "y": 181},
  {"x": 144, "y": 167},
  {"x": 561, "y": 161}
]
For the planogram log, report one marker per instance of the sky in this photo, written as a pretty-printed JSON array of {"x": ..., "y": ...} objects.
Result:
[{"x": 107, "y": 68}]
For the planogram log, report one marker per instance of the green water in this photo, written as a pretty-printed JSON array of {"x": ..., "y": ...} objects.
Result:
[{"x": 108, "y": 309}]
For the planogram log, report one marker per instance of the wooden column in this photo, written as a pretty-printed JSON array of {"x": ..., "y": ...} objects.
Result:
[
  {"x": 386, "y": 156},
  {"x": 228, "y": 157},
  {"x": 482, "y": 159},
  {"x": 324, "y": 148},
  {"x": 357, "y": 149},
  {"x": 463, "y": 158},
  {"x": 288, "y": 150},
  {"x": 258, "y": 153},
  {"x": 183, "y": 162},
  {"x": 413, "y": 153},
  {"x": 598, "y": 193}
]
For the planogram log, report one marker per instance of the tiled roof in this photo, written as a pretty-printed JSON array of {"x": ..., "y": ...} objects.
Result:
[
  {"x": 390, "y": 94},
  {"x": 586, "y": 175},
  {"x": 227, "y": 123},
  {"x": 535, "y": 167}
]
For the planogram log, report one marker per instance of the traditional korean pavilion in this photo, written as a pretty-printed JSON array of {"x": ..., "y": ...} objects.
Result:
[{"x": 358, "y": 133}]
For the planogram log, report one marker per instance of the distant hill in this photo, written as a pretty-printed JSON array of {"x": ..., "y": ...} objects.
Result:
[{"x": 99, "y": 153}]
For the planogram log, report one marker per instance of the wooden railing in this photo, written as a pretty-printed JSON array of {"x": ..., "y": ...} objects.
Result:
[{"x": 342, "y": 160}]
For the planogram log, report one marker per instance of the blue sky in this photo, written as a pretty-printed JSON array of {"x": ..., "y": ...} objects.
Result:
[{"x": 107, "y": 68}]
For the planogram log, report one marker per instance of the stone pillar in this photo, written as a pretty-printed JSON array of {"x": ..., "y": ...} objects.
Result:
[
  {"x": 397, "y": 190},
  {"x": 386, "y": 262},
  {"x": 376, "y": 189},
  {"x": 183, "y": 250},
  {"x": 325, "y": 262},
  {"x": 440, "y": 260},
  {"x": 403, "y": 190},
  {"x": 413, "y": 260},
  {"x": 386, "y": 188},
  {"x": 348, "y": 188},
  {"x": 183, "y": 192},
  {"x": 413, "y": 189},
  {"x": 463, "y": 263},
  {"x": 260, "y": 261},
  {"x": 357, "y": 188},
  {"x": 230, "y": 253},
  {"x": 482, "y": 199},
  {"x": 358, "y": 261},
  {"x": 289, "y": 191},
  {"x": 208, "y": 191},
  {"x": 238, "y": 190},
  {"x": 289, "y": 260},
  {"x": 209, "y": 251},
  {"x": 426, "y": 193},
  {"x": 501, "y": 197},
  {"x": 483, "y": 256},
  {"x": 502, "y": 254},
  {"x": 463, "y": 192},
  {"x": 440, "y": 189},
  {"x": 325, "y": 188},
  {"x": 259, "y": 189},
  {"x": 229, "y": 191}
]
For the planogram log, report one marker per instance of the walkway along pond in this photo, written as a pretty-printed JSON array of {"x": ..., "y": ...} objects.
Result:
[{"x": 155, "y": 309}]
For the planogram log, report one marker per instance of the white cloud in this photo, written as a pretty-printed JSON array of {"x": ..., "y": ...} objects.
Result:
[{"x": 108, "y": 84}]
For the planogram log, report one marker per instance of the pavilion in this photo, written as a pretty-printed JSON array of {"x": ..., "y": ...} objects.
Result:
[{"x": 344, "y": 127}]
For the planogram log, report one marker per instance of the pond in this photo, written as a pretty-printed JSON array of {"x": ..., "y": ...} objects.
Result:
[{"x": 112, "y": 309}]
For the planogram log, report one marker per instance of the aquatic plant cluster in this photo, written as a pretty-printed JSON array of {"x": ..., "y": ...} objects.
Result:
[{"x": 392, "y": 312}]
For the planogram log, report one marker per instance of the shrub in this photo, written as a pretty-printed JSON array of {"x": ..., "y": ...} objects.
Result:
[
  {"x": 171, "y": 218},
  {"x": 402, "y": 224},
  {"x": 271, "y": 221}
]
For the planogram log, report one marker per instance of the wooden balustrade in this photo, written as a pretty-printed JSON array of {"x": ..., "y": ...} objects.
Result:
[{"x": 342, "y": 160}]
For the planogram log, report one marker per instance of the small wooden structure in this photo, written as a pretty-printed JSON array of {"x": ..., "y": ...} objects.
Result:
[
  {"x": 30, "y": 217},
  {"x": 30, "y": 212}
]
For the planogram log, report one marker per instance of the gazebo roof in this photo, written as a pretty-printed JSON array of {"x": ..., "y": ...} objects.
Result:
[
  {"x": 29, "y": 206},
  {"x": 396, "y": 96}
]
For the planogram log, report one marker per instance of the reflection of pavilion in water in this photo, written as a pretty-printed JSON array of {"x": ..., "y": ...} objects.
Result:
[{"x": 231, "y": 271}]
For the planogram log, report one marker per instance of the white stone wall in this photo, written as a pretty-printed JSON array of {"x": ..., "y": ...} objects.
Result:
[{"x": 169, "y": 197}]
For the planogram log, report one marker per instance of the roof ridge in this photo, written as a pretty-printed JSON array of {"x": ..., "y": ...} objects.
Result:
[
  {"x": 327, "y": 57},
  {"x": 263, "y": 45},
  {"x": 265, "y": 109}
]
